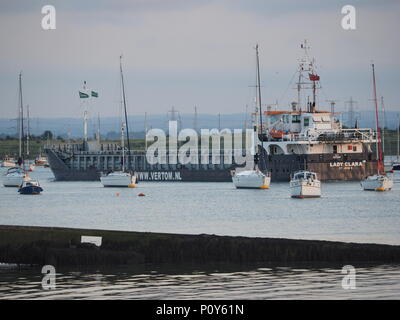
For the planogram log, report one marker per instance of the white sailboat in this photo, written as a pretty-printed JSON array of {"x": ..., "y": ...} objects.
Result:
[
  {"x": 121, "y": 178},
  {"x": 15, "y": 176},
  {"x": 253, "y": 178},
  {"x": 305, "y": 184},
  {"x": 379, "y": 181}
]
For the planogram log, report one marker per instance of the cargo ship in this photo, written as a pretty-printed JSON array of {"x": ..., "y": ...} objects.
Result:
[{"x": 302, "y": 138}]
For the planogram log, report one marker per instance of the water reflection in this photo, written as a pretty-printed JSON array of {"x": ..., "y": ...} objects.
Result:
[{"x": 288, "y": 282}]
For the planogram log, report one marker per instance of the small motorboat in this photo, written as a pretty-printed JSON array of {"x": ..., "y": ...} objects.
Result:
[
  {"x": 15, "y": 176},
  {"x": 41, "y": 161},
  {"x": 396, "y": 166},
  {"x": 251, "y": 179},
  {"x": 304, "y": 184},
  {"x": 377, "y": 182},
  {"x": 30, "y": 187},
  {"x": 118, "y": 179},
  {"x": 8, "y": 162}
]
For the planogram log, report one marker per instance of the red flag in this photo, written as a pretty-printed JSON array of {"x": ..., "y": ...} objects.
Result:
[{"x": 313, "y": 77}]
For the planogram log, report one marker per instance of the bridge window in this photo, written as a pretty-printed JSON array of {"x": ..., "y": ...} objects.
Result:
[{"x": 296, "y": 118}]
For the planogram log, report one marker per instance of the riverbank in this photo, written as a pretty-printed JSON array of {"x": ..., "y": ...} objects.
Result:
[{"x": 63, "y": 247}]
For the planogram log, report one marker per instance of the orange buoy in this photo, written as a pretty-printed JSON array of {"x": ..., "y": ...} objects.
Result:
[{"x": 141, "y": 195}]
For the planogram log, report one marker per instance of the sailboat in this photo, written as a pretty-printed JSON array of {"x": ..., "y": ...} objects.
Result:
[
  {"x": 121, "y": 178},
  {"x": 379, "y": 181},
  {"x": 255, "y": 178},
  {"x": 15, "y": 176}
]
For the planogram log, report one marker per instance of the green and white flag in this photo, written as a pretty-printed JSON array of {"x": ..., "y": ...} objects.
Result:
[
  {"x": 95, "y": 94},
  {"x": 83, "y": 95}
]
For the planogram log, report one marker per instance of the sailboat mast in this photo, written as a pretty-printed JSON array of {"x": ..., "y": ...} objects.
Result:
[
  {"x": 379, "y": 143},
  {"x": 27, "y": 130},
  {"x": 398, "y": 137},
  {"x": 384, "y": 125},
  {"x": 123, "y": 146},
  {"x": 21, "y": 119},
  {"x": 259, "y": 97},
  {"x": 124, "y": 100}
]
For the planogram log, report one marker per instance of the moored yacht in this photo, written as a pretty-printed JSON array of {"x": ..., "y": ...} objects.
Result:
[
  {"x": 121, "y": 178},
  {"x": 305, "y": 184},
  {"x": 14, "y": 177},
  {"x": 118, "y": 179},
  {"x": 8, "y": 162},
  {"x": 379, "y": 181},
  {"x": 253, "y": 178},
  {"x": 30, "y": 187}
]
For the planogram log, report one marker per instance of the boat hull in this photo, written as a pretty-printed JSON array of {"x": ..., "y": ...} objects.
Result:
[
  {"x": 329, "y": 167},
  {"x": 118, "y": 181},
  {"x": 8, "y": 164},
  {"x": 377, "y": 184},
  {"x": 253, "y": 181},
  {"x": 304, "y": 189},
  {"x": 30, "y": 190},
  {"x": 14, "y": 181}
]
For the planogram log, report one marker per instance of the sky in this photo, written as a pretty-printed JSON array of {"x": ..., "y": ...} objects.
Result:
[{"x": 187, "y": 53}]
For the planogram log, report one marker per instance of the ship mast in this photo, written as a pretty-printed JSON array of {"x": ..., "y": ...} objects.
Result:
[
  {"x": 378, "y": 143},
  {"x": 307, "y": 65}
]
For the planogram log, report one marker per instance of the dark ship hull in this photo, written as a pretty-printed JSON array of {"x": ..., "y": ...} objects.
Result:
[{"x": 329, "y": 167}]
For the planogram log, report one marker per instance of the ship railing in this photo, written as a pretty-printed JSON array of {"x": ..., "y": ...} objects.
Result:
[
  {"x": 330, "y": 136},
  {"x": 349, "y": 135}
]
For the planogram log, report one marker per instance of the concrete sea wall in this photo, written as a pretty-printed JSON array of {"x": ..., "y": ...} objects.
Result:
[{"x": 62, "y": 246}]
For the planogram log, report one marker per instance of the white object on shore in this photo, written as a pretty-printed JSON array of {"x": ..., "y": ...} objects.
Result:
[
  {"x": 305, "y": 184},
  {"x": 91, "y": 239}
]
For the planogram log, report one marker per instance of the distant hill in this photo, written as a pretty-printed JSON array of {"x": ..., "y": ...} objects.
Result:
[{"x": 73, "y": 127}]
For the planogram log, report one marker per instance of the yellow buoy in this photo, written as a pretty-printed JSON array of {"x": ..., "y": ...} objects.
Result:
[
  {"x": 132, "y": 185},
  {"x": 264, "y": 187},
  {"x": 380, "y": 189}
]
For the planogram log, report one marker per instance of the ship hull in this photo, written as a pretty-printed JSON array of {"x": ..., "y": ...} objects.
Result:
[{"x": 329, "y": 167}]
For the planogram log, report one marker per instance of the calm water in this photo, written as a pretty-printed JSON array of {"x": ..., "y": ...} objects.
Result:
[
  {"x": 379, "y": 282},
  {"x": 344, "y": 213}
]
